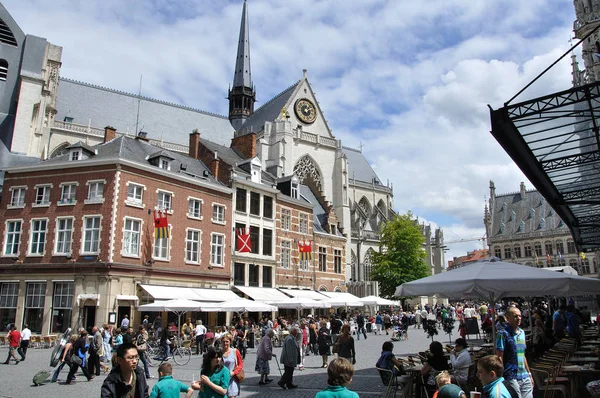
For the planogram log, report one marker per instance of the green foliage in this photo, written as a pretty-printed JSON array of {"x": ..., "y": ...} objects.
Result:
[{"x": 401, "y": 257}]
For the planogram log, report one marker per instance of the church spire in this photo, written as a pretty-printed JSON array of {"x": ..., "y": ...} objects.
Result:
[{"x": 242, "y": 95}]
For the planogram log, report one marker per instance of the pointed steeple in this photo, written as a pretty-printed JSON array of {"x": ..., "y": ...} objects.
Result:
[{"x": 242, "y": 95}]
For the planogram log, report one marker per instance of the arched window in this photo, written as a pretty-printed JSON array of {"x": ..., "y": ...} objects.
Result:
[
  {"x": 570, "y": 247},
  {"x": 507, "y": 252},
  {"x": 6, "y": 35},
  {"x": 322, "y": 288},
  {"x": 60, "y": 150},
  {"x": 337, "y": 289},
  {"x": 3, "y": 69},
  {"x": 367, "y": 264},
  {"x": 548, "y": 247},
  {"x": 307, "y": 172},
  {"x": 538, "y": 249},
  {"x": 560, "y": 247},
  {"x": 527, "y": 249},
  {"x": 365, "y": 206},
  {"x": 517, "y": 251},
  {"x": 498, "y": 252}
]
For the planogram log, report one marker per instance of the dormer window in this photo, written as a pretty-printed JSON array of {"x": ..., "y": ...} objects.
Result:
[
  {"x": 294, "y": 192},
  {"x": 164, "y": 164},
  {"x": 255, "y": 171},
  {"x": 75, "y": 155}
]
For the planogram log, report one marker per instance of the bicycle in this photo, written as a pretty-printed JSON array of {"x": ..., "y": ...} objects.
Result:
[{"x": 181, "y": 355}]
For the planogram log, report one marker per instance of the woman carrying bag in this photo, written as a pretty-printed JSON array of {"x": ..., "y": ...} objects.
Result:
[
  {"x": 232, "y": 360},
  {"x": 345, "y": 345}
]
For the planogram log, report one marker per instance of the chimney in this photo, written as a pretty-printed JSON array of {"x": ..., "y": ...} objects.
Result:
[
  {"x": 194, "y": 150},
  {"x": 142, "y": 136},
  {"x": 214, "y": 166},
  {"x": 522, "y": 189},
  {"x": 245, "y": 144},
  {"x": 110, "y": 133}
]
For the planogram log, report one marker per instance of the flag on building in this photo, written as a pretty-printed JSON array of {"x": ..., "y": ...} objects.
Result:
[
  {"x": 548, "y": 258},
  {"x": 536, "y": 259},
  {"x": 559, "y": 256},
  {"x": 243, "y": 240},
  {"x": 161, "y": 225},
  {"x": 582, "y": 255},
  {"x": 305, "y": 249}
]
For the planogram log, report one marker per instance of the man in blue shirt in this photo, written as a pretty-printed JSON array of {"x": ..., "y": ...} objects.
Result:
[
  {"x": 510, "y": 348},
  {"x": 167, "y": 386},
  {"x": 558, "y": 322}
]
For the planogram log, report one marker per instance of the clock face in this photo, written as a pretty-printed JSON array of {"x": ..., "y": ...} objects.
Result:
[{"x": 305, "y": 110}]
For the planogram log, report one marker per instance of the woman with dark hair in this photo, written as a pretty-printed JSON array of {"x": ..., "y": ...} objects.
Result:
[
  {"x": 436, "y": 362},
  {"x": 324, "y": 340},
  {"x": 215, "y": 377},
  {"x": 80, "y": 348},
  {"x": 345, "y": 344}
]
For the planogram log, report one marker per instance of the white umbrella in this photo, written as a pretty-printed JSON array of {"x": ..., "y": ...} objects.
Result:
[
  {"x": 178, "y": 306},
  {"x": 299, "y": 303},
  {"x": 239, "y": 305},
  {"x": 342, "y": 302},
  {"x": 374, "y": 300}
]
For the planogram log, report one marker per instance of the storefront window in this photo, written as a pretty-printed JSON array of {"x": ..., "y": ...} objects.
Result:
[
  {"x": 9, "y": 293},
  {"x": 34, "y": 306},
  {"x": 62, "y": 306}
]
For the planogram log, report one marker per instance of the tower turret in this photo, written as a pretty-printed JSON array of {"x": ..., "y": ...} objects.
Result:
[
  {"x": 587, "y": 13},
  {"x": 242, "y": 95}
]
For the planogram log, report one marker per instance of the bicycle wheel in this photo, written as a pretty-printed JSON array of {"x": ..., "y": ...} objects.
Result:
[{"x": 182, "y": 356}]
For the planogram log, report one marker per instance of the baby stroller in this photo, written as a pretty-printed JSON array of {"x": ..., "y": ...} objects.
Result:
[{"x": 399, "y": 333}]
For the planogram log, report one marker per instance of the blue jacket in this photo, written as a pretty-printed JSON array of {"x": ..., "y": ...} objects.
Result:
[{"x": 496, "y": 389}]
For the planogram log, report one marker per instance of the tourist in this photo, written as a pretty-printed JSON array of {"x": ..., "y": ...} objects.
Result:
[
  {"x": 25, "y": 337},
  {"x": 289, "y": 358},
  {"x": 263, "y": 356},
  {"x": 461, "y": 361},
  {"x": 360, "y": 322},
  {"x": 339, "y": 376},
  {"x": 510, "y": 348},
  {"x": 489, "y": 371},
  {"x": 78, "y": 357},
  {"x": 232, "y": 360},
  {"x": 436, "y": 362},
  {"x": 323, "y": 340},
  {"x": 125, "y": 322},
  {"x": 387, "y": 360},
  {"x": 167, "y": 386},
  {"x": 200, "y": 333},
  {"x": 345, "y": 344},
  {"x": 141, "y": 343},
  {"x": 446, "y": 389},
  {"x": 14, "y": 337},
  {"x": 125, "y": 376},
  {"x": 214, "y": 378},
  {"x": 66, "y": 357}
]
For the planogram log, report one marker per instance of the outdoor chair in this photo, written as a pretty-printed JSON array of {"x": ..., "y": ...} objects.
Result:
[
  {"x": 395, "y": 383},
  {"x": 543, "y": 382}
]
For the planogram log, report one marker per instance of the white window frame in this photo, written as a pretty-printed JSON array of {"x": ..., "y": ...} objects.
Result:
[
  {"x": 286, "y": 219},
  {"x": 60, "y": 231},
  {"x": 75, "y": 155},
  {"x": 139, "y": 233},
  {"x": 322, "y": 250},
  {"x": 85, "y": 230},
  {"x": 303, "y": 220},
  {"x": 189, "y": 243},
  {"x": 162, "y": 244},
  {"x": 214, "y": 247},
  {"x": 19, "y": 203},
  {"x": 189, "y": 214},
  {"x": 45, "y": 197},
  {"x": 133, "y": 201},
  {"x": 164, "y": 163},
  {"x": 18, "y": 234},
  {"x": 337, "y": 254},
  {"x": 160, "y": 202},
  {"x": 72, "y": 186},
  {"x": 215, "y": 206},
  {"x": 92, "y": 196},
  {"x": 286, "y": 254},
  {"x": 38, "y": 241}
]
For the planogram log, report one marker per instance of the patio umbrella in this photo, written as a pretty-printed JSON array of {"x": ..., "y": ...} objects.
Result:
[
  {"x": 374, "y": 300},
  {"x": 240, "y": 305},
  {"x": 299, "y": 303},
  {"x": 178, "y": 306}
]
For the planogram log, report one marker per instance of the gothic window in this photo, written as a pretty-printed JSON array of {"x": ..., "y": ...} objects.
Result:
[
  {"x": 60, "y": 150},
  {"x": 498, "y": 252},
  {"x": 527, "y": 248},
  {"x": 353, "y": 266},
  {"x": 306, "y": 169},
  {"x": 365, "y": 207},
  {"x": 548, "y": 246},
  {"x": 6, "y": 35},
  {"x": 3, "y": 69},
  {"x": 560, "y": 249},
  {"x": 367, "y": 264},
  {"x": 517, "y": 251},
  {"x": 570, "y": 247},
  {"x": 538, "y": 249},
  {"x": 507, "y": 253}
]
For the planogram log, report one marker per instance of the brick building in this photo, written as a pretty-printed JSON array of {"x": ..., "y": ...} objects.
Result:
[{"x": 79, "y": 240}]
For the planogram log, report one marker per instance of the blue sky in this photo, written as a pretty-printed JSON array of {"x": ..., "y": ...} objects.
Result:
[{"x": 411, "y": 80}]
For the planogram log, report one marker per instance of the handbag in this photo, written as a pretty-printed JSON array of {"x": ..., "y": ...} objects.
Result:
[
  {"x": 241, "y": 376},
  {"x": 76, "y": 360}
]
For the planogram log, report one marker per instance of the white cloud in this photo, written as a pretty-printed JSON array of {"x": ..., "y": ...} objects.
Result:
[{"x": 411, "y": 80}]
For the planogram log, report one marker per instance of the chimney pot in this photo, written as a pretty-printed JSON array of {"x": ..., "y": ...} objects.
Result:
[{"x": 110, "y": 133}]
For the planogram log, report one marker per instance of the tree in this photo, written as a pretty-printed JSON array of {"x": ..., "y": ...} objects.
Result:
[{"x": 401, "y": 257}]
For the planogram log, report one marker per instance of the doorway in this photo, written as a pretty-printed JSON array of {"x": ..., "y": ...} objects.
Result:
[
  {"x": 89, "y": 317},
  {"x": 122, "y": 311}
]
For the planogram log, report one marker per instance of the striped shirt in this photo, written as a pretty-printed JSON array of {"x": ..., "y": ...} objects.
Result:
[{"x": 513, "y": 346}]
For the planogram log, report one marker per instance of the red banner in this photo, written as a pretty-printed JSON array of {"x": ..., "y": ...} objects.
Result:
[{"x": 243, "y": 240}]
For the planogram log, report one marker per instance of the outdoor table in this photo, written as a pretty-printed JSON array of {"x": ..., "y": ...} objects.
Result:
[
  {"x": 595, "y": 342},
  {"x": 576, "y": 373},
  {"x": 582, "y": 352}
]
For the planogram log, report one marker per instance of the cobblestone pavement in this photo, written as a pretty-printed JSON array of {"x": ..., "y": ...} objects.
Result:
[{"x": 16, "y": 380}]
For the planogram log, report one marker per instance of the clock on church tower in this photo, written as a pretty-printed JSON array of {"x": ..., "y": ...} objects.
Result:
[{"x": 305, "y": 110}]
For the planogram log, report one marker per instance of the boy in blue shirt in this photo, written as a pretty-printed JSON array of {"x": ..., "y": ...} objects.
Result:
[
  {"x": 490, "y": 370},
  {"x": 167, "y": 386}
]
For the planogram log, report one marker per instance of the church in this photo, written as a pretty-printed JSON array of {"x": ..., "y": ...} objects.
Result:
[{"x": 289, "y": 139}]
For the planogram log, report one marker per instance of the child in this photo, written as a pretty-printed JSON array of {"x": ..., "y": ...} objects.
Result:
[
  {"x": 339, "y": 376},
  {"x": 446, "y": 389},
  {"x": 167, "y": 387}
]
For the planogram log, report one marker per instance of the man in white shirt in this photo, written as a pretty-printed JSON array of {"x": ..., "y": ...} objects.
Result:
[
  {"x": 25, "y": 337},
  {"x": 125, "y": 322},
  {"x": 460, "y": 360},
  {"x": 199, "y": 332}
]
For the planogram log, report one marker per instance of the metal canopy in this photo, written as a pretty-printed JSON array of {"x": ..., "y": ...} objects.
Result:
[{"x": 554, "y": 141}]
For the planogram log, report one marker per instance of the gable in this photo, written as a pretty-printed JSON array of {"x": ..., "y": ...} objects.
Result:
[{"x": 304, "y": 91}]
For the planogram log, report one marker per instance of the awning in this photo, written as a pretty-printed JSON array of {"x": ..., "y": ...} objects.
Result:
[
  {"x": 127, "y": 297},
  {"x": 311, "y": 294},
  {"x": 264, "y": 294},
  {"x": 165, "y": 293},
  {"x": 81, "y": 298}
]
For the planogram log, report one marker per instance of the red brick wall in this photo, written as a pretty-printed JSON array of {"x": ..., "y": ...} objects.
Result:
[{"x": 245, "y": 144}]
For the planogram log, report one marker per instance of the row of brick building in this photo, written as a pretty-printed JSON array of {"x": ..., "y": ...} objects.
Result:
[{"x": 78, "y": 237}]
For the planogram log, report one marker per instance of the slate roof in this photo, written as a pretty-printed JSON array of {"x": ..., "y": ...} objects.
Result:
[
  {"x": 359, "y": 166},
  {"x": 268, "y": 112},
  {"x": 319, "y": 214},
  {"x": 106, "y": 107},
  {"x": 83, "y": 145},
  {"x": 137, "y": 151},
  {"x": 513, "y": 215},
  {"x": 9, "y": 159}
]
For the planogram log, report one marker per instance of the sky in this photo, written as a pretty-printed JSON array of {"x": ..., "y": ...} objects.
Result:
[{"x": 408, "y": 80}]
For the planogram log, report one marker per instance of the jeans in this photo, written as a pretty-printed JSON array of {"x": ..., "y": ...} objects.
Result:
[
  {"x": 144, "y": 360},
  {"x": 166, "y": 349},
  {"x": 57, "y": 371},
  {"x": 107, "y": 351},
  {"x": 523, "y": 387},
  {"x": 364, "y": 332},
  {"x": 199, "y": 344}
]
